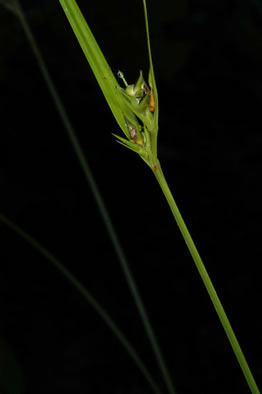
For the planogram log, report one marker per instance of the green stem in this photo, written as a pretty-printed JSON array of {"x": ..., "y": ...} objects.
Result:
[{"x": 206, "y": 279}]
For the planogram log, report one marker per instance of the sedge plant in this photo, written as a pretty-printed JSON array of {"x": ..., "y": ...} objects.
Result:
[{"x": 135, "y": 108}]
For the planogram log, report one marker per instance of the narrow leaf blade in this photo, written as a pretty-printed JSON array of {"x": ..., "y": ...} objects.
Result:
[{"x": 97, "y": 62}]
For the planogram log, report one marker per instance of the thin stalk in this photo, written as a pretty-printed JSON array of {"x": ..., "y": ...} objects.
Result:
[
  {"x": 206, "y": 279},
  {"x": 88, "y": 297}
]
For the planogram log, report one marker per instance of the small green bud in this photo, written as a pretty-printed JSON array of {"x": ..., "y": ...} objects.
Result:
[{"x": 137, "y": 90}]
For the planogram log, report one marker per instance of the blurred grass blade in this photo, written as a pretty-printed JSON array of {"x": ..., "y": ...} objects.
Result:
[
  {"x": 104, "y": 76},
  {"x": 88, "y": 297}
]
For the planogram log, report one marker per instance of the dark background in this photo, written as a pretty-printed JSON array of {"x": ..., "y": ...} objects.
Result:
[{"x": 208, "y": 61}]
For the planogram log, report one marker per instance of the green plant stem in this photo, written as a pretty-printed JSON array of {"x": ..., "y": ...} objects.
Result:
[{"x": 206, "y": 279}]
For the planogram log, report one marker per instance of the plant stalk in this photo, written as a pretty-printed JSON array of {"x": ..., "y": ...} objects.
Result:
[{"x": 206, "y": 279}]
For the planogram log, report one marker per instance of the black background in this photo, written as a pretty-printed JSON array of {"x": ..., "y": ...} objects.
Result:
[{"x": 208, "y": 61}]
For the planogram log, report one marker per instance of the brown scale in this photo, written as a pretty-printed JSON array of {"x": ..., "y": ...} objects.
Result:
[{"x": 151, "y": 103}]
